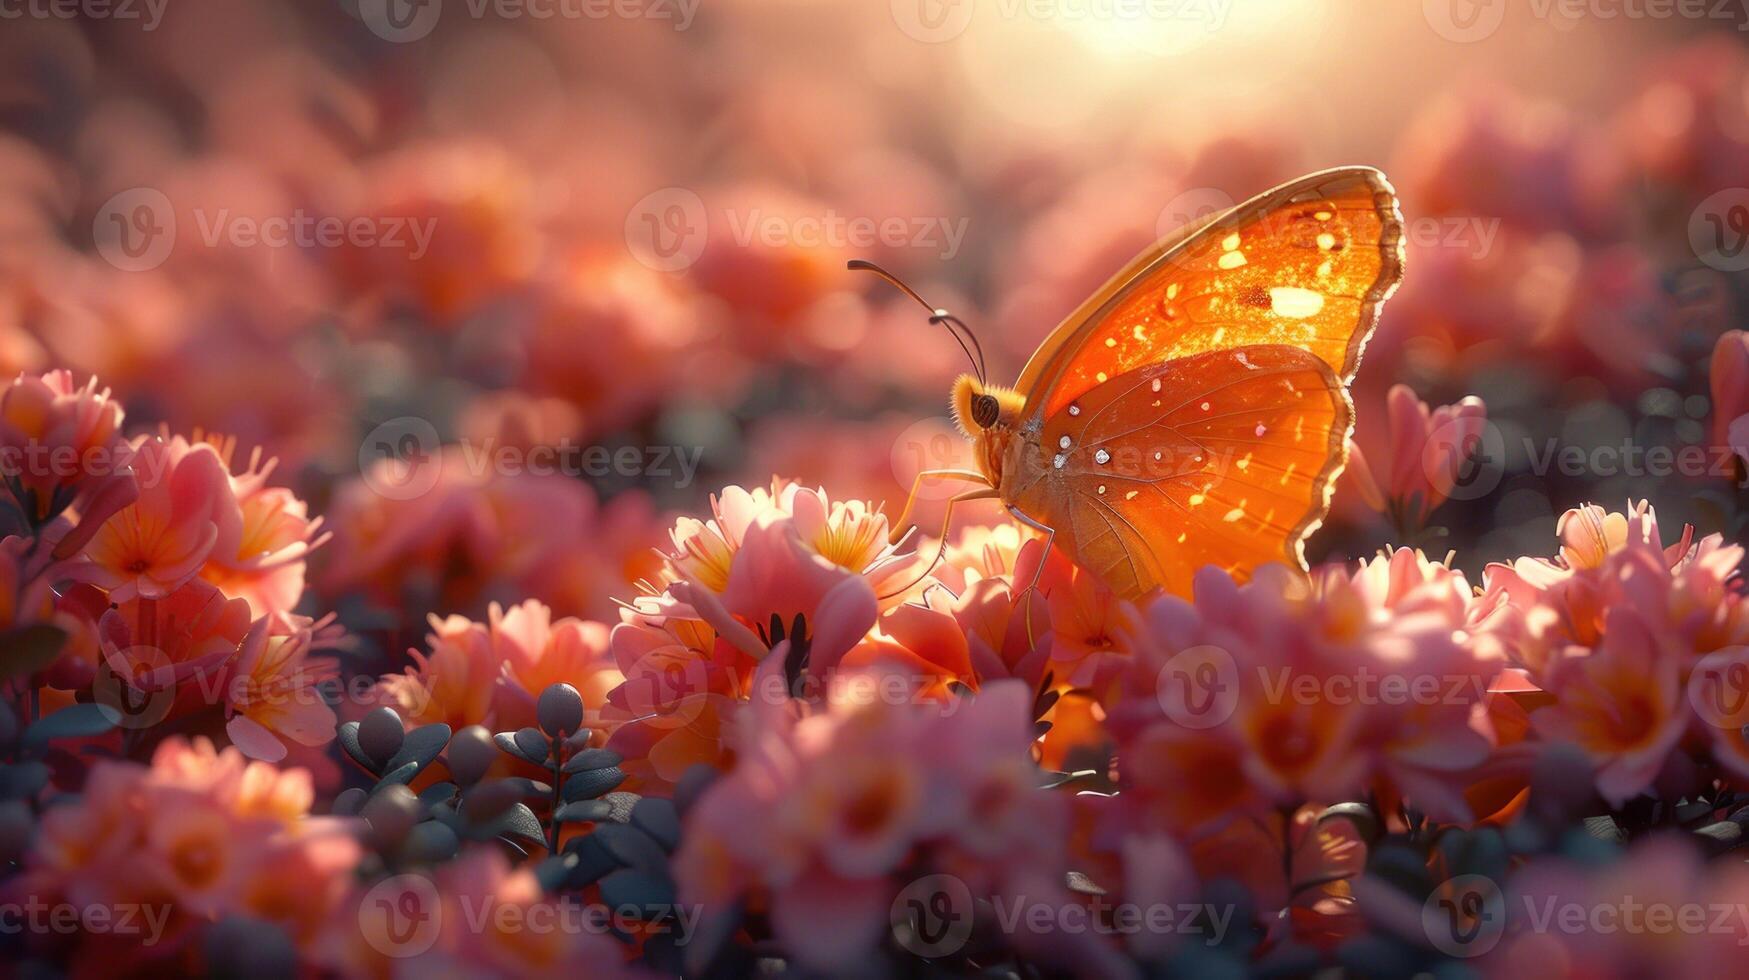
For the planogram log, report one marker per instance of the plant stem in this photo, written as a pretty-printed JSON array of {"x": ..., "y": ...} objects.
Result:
[{"x": 553, "y": 817}]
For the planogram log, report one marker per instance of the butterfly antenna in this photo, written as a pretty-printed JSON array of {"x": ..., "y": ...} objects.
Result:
[
  {"x": 955, "y": 326},
  {"x": 952, "y": 321}
]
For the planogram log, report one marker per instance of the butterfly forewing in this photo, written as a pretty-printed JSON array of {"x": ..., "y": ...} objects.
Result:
[
  {"x": 1306, "y": 265},
  {"x": 1195, "y": 411}
]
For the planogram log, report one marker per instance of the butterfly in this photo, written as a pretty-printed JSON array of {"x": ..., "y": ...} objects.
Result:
[{"x": 1195, "y": 410}]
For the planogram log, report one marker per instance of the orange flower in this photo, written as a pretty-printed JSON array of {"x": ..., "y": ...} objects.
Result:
[
  {"x": 185, "y": 513},
  {"x": 454, "y": 683},
  {"x": 276, "y": 536}
]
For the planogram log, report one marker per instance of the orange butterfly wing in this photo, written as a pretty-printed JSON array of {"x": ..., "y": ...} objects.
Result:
[{"x": 1260, "y": 315}]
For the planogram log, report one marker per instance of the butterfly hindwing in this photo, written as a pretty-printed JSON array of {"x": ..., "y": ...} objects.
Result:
[
  {"x": 1306, "y": 265},
  {"x": 1222, "y": 458}
]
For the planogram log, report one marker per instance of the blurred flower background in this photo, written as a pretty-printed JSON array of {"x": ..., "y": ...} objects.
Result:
[{"x": 513, "y": 289}]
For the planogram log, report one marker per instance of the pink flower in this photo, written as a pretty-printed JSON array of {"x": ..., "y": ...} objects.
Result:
[
  {"x": 189, "y": 635},
  {"x": 1275, "y": 693},
  {"x": 538, "y": 651},
  {"x": 493, "y": 673},
  {"x": 1489, "y": 151},
  {"x": 454, "y": 683},
  {"x": 62, "y": 446},
  {"x": 613, "y": 338},
  {"x": 493, "y": 920},
  {"x": 1682, "y": 590},
  {"x": 1730, "y": 388},
  {"x": 1622, "y": 704},
  {"x": 1685, "y": 124},
  {"x": 825, "y": 813},
  {"x": 273, "y": 693},
  {"x": 276, "y": 536},
  {"x": 486, "y": 531},
  {"x": 185, "y": 513},
  {"x": 1660, "y": 909},
  {"x": 1429, "y": 450},
  {"x": 205, "y": 831}
]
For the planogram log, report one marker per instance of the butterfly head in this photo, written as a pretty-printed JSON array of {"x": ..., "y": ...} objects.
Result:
[{"x": 978, "y": 407}]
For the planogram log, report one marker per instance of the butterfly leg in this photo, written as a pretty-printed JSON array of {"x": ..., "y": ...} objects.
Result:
[
  {"x": 1025, "y": 594},
  {"x": 982, "y": 493},
  {"x": 900, "y": 526}
]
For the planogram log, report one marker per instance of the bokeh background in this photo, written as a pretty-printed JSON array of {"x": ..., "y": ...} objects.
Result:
[{"x": 620, "y": 229}]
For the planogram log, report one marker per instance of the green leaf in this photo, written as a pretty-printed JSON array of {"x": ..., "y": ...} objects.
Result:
[
  {"x": 78, "y": 721},
  {"x": 28, "y": 649}
]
